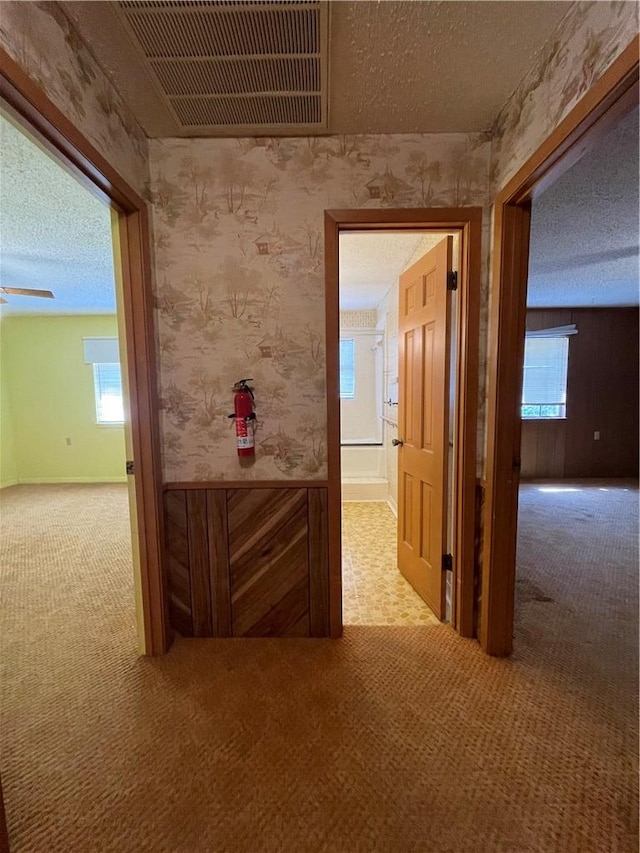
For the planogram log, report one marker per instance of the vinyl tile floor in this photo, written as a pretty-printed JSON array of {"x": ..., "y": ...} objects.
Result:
[{"x": 374, "y": 591}]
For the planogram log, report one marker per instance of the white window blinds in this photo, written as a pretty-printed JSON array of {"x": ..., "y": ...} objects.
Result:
[
  {"x": 347, "y": 369},
  {"x": 107, "y": 383},
  {"x": 544, "y": 387}
]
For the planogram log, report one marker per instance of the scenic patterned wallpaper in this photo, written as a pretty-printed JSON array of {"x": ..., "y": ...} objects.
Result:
[
  {"x": 583, "y": 46},
  {"x": 40, "y": 38},
  {"x": 238, "y": 229},
  {"x": 240, "y": 279}
]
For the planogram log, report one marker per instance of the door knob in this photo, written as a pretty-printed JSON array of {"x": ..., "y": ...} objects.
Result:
[{"x": 397, "y": 442}]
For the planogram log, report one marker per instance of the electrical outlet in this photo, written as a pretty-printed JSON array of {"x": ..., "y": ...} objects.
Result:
[{"x": 596, "y": 435}]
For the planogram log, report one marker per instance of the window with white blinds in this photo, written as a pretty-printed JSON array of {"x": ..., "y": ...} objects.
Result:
[
  {"x": 347, "y": 369},
  {"x": 107, "y": 383},
  {"x": 544, "y": 387}
]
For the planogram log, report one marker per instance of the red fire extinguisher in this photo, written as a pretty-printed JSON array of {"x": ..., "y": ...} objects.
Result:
[{"x": 245, "y": 417}]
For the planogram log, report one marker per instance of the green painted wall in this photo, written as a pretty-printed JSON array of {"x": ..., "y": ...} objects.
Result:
[
  {"x": 8, "y": 467},
  {"x": 51, "y": 411}
]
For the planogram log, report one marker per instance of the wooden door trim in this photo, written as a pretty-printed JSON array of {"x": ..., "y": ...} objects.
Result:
[
  {"x": 614, "y": 95},
  {"x": 26, "y": 101},
  {"x": 468, "y": 221}
]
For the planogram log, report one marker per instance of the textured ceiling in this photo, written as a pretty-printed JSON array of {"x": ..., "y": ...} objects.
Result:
[
  {"x": 394, "y": 67},
  {"x": 413, "y": 67},
  {"x": 584, "y": 237},
  {"x": 54, "y": 234},
  {"x": 370, "y": 263},
  {"x": 584, "y": 229}
]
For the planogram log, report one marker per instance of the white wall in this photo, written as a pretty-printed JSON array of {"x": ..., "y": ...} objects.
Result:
[
  {"x": 387, "y": 312},
  {"x": 362, "y": 456}
]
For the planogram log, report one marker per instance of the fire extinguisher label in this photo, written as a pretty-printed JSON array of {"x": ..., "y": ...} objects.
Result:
[{"x": 244, "y": 435}]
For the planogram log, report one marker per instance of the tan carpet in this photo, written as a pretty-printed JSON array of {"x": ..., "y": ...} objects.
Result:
[{"x": 393, "y": 739}]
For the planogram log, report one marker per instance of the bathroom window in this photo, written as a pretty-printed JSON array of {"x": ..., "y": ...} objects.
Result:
[
  {"x": 360, "y": 387},
  {"x": 347, "y": 369}
]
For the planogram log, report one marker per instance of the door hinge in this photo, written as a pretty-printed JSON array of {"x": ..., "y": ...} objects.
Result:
[
  {"x": 452, "y": 280},
  {"x": 447, "y": 562},
  {"x": 130, "y": 467}
]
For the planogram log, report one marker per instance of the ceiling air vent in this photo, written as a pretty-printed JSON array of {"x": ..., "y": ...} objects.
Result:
[{"x": 228, "y": 68}]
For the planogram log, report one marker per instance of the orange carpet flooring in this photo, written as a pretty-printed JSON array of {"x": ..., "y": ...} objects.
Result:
[{"x": 394, "y": 739}]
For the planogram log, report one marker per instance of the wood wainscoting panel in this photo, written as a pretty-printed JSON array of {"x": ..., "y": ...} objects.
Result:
[
  {"x": 248, "y": 562},
  {"x": 199, "y": 563},
  {"x": 269, "y": 562},
  {"x": 318, "y": 562},
  {"x": 218, "y": 531},
  {"x": 177, "y": 559}
]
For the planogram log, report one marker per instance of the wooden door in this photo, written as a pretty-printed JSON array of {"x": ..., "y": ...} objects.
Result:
[{"x": 423, "y": 384}]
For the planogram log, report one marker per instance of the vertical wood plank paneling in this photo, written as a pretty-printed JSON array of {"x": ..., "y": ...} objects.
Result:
[
  {"x": 529, "y": 450},
  {"x": 317, "y": 503},
  {"x": 582, "y": 405},
  {"x": 269, "y": 561},
  {"x": 550, "y": 457},
  {"x": 218, "y": 535},
  {"x": 623, "y": 422},
  {"x": 177, "y": 559},
  {"x": 602, "y": 396},
  {"x": 199, "y": 562}
]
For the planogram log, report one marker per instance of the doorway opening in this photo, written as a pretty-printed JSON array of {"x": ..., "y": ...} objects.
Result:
[
  {"x": 372, "y": 345},
  {"x": 577, "y": 556},
  {"x": 26, "y": 106},
  {"x": 612, "y": 98},
  {"x": 375, "y": 591},
  {"x": 63, "y": 401}
]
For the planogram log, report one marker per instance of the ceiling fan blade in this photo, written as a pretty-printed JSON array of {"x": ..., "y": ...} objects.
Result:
[{"x": 27, "y": 291}]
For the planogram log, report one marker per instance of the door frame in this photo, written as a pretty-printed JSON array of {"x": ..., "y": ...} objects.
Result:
[
  {"x": 468, "y": 222},
  {"x": 612, "y": 97},
  {"x": 26, "y": 102}
]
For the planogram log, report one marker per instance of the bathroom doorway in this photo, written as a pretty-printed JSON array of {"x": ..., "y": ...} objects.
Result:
[{"x": 375, "y": 591}]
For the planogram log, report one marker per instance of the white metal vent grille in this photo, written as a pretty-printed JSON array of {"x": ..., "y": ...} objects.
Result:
[{"x": 235, "y": 66}]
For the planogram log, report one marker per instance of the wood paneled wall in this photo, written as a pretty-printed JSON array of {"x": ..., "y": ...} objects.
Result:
[
  {"x": 602, "y": 395},
  {"x": 248, "y": 562}
]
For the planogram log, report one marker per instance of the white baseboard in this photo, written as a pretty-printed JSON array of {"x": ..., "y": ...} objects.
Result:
[
  {"x": 52, "y": 481},
  {"x": 393, "y": 506}
]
